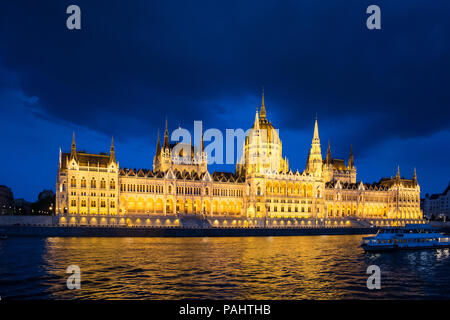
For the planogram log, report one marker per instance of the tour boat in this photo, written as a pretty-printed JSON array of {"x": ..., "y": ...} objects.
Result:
[{"x": 412, "y": 236}]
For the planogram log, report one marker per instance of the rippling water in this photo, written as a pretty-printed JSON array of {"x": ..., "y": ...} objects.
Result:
[{"x": 316, "y": 267}]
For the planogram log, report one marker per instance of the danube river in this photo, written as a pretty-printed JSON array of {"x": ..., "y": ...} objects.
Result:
[{"x": 308, "y": 267}]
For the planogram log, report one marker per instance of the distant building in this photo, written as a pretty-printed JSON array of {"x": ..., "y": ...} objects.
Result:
[
  {"x": 437, "y": 205},
  {"x": 45, "y": 194},
  {"x": 6, "y": 200},
  {"x": 22, "y": 207},
  {"x": 45, "y": 204}
]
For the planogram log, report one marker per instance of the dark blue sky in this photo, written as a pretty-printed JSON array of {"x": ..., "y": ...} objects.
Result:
[{"x": 134, "y": 62}]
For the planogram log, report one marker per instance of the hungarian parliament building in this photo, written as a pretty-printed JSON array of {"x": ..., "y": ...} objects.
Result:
[{"x": 92, "y": 189}]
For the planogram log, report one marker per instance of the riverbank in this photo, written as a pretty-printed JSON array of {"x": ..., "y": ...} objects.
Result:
[{"x": 88, "y": 231}]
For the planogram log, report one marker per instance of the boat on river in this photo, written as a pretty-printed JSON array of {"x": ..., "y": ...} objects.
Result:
[{"x": 412, "y": 236}]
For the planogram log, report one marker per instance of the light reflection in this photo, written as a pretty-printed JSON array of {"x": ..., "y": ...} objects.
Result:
[{"x": 325, "y": 267}]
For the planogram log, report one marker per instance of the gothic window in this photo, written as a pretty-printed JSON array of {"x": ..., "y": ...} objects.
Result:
[
  {"x": 113, "y": 204},
  {"x": 73, "y": 182},
  {"x": 83, "y": 182},
  {"x": 103, "y": 184},
  {"x": 83, "y": 203},
  {"x": 73, "y": 203},
  {"x": 170, "y": 189},
  {"x": 93, "y": 204},
  {"x": 103, "y": 204},
  {"x": 93, "y": 183}
]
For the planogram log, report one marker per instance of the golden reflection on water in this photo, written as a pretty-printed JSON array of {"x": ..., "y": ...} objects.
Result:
[
  {"x": 238, "y": 268},
  {"x": 309, "y": 267}
]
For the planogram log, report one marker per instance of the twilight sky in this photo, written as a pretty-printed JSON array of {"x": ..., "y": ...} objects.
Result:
[{"x": 135, "y": 62}]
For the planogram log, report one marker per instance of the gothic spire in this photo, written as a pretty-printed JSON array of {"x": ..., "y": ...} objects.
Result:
[
  {"x": 351, "y": 161},
  {"x": 73, "y": 151},
  {"x": 398, "y": 172},
  {"x": 158, "y": 146},
  {"x": 112, "y": 151},
  {"x": 166, "y": 137},
  {"x": 202, "y": 142},
  {"x": 328, "y": 159},
  {"x": 415, "y": 176}
]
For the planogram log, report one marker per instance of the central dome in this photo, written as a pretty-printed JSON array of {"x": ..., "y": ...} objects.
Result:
[{"x": 263, "y": 148}]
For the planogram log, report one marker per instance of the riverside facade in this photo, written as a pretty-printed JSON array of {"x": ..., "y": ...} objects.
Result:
[{"x": 92, "y": 189}]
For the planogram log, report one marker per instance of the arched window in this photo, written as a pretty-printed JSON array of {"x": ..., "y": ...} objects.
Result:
[
  {"x": 112, "y": 184},
  {"x": 93, "y": 183},
  {"x": 83, "y": 182},
  {"x": 73, "y": 182},
  {"x": 103, "y": 184}
]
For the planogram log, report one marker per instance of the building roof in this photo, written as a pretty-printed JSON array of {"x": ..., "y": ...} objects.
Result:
[
  {"x": 87, "y": 159},
  {"x": 182, "y": 175},
  {"x": 338, "y": 164}
]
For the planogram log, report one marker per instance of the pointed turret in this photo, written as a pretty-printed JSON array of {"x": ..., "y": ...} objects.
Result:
[
  {"x": 328, "y": 159},
  {"x": 263, "y": 107},
  {"x": 202, "y": 142},
  {"x": 415, "y": 177},
  {"x": 307, "y": 161},
  {"x": 315, "y": 158},
  {"x": 256, "y": 123},
  {"x": 158, "y": 146},
  {"x": 397, "y": 176},
  {"x": 316, "y": 131},
  {"x": 112, "y": 152},
  {"x": 351, "y": 162},
  {"x": 166, "y": 137}
]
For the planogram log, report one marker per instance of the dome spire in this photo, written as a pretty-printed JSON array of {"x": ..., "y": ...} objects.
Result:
[{"x": 263, "y": 107}]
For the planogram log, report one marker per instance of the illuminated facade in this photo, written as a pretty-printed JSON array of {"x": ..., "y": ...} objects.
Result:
[{"x": 263, "y": 191}]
